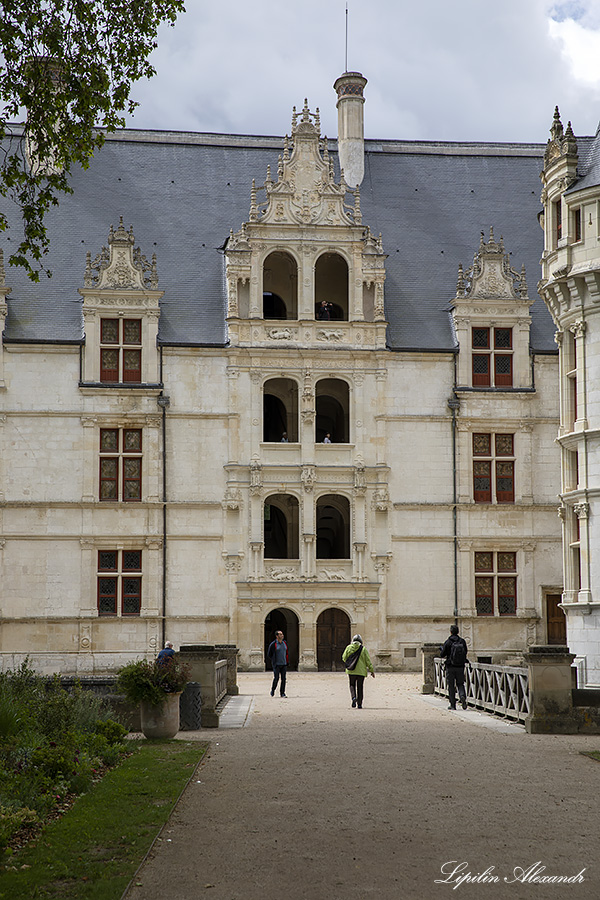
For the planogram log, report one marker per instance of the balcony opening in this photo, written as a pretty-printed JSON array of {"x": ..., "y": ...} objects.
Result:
[
  {"x": 280, "y": 410},
  {"x": 281, "y": 527},
  {"x": 331, "y": 287},
  {"x": 280, "y": 286},
  {"x": 333, "y": 527},
  {"x": 332, "y": 399}
]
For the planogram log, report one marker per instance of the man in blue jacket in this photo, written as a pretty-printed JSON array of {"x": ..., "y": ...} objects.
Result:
[{"x": 279, "y": 656}]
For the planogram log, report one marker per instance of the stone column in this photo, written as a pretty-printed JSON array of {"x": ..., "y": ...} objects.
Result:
[
  {"x": 201, "y": 659},
  {"x": 550, "y": 690},
  {"x": 429, "y": 651},
  {"x": 230, "y": 653}
]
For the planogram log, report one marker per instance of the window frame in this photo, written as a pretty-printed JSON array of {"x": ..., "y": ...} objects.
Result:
[
  {"x": 119, "y": 473},
  {"x": 119, "y": 574},
  {"x": 124, "y": 347},
  {"x": 489, "y": 465},
  {"x": 499, "y": 574},
  {"x": 495, "y": 353}
]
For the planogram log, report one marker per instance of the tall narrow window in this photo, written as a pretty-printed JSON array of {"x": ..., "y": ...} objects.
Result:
[
  {"x": 493, "y": 468},
  {"x": 119, "y": 582},
  {"x": 558, "y": 220},
  {"x": 120, "y": 350},
  {"x": 121, "y": 464},
  {"x": 577, "y": 224},
  {"x": 496, "y": 583}
]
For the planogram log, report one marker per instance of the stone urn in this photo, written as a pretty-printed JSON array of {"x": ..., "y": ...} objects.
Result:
[{"x": 160, "y": 722}]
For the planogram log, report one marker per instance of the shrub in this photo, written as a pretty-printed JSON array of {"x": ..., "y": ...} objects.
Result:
[
  {"x": 144, "y": 681},
  {"x": 11, "y": 820}
]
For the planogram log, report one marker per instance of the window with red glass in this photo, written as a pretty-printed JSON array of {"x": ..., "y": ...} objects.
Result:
[
  {"x": 492, "y": 353},
  {"x": 496, "y": 583},
  {"x": 120, "y": 350},
  {"x": 119, "y": 582},
  {"x": 121, "y": 464},
  {"x": 493, "y": 468}
]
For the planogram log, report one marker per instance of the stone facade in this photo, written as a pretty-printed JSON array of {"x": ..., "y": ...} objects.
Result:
[
  {"x": 302, "y": 475},
  {"x": 571, "y": 288}
]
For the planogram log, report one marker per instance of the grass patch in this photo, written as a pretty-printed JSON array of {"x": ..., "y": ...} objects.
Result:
[
  {"x": 593, "y": 754},
  {"x": 93, "y": 851}
]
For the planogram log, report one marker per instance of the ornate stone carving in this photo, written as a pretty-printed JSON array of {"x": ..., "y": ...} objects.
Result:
[
  {"x": 121, "y": 265},
  {"x": 581, "y": 510},
  {"x": 255, "y": 476},
  {"x": 232, "y": 498},
  {"x": 381, "y": 499},
  {"x": 276, "y": 574},
  {"x": 332, "y": 575},
  {"x": 578, "y": 329},
  {"x": 308, "y": 478},
  {"x": 280, "y": 334},
  {"x": 491, "y": 276},
  {"x": 360, "y": 478},
  {"x": 233, "y": 562},
  {"x": 327, "y": 334}
]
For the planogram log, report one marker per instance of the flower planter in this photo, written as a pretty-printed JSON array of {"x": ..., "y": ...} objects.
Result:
[{"x": 161, "y": 721}]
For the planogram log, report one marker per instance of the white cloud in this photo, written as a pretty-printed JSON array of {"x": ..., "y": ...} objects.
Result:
[
  {"x": 466, "y": 70},
  {"x": 581, "y": 47}
]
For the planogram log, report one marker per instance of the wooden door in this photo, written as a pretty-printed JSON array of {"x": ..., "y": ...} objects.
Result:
[
  {"x": 556, "y": 620},
  {"x": 333, "y": 636}
]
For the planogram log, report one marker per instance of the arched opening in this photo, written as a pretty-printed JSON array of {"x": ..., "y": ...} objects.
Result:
[
  {"x": 332, "y": 398},
  {"x": 331, "y": 287},
  {"x": 282, "y": 527},
  {"x": 333, "y": 636},
  {"x": 333, "y": 527},
  {"x": 285, "y": 620},
  {"x": 280, "y": 286},
  {"x": 280, "y": 410}
]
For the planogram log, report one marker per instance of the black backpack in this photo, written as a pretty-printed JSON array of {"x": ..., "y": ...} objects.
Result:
[{"x": 458, "y": 654}]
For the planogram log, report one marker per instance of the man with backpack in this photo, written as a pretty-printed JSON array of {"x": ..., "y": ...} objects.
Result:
[{"x": 454, "y": 652}]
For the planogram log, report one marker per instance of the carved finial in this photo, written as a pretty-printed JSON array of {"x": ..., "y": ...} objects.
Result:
[
  {"x": 318, "y": 120},
  {"x": 492, "y": 241},
  {"x": 269, "y": 180},
  {"x": 306, "y": 111},
  {"x": 357, "y": 212},
  {"x": 294, "y": 118},
  {"x": 153, "y": 273},
  {"x": 286, "y": 149},
  {"x": 326, "y": 152},
  {"x": 569, "y": 142},
  {"x": 253, "y": 207},
  {"x": 380, "y": 243},
  {"x": 523, "y": 283},
  {"x": 556, "y": 131},
  {"x": 88, "y": 276},
  {"x": 482, "y": 241},
  {"x": 279, "y": 168},
  {"x": 460, "y": 283}
]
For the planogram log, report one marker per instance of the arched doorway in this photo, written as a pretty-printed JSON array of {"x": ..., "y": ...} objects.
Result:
[
  {"x": 285, "y": 620},
  {"x": 333, "y": 636}
]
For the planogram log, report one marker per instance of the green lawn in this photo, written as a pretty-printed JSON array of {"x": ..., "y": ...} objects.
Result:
[{"x": 93, "y": 851}]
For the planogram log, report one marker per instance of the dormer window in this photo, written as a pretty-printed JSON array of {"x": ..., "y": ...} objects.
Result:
[
  {"x": 120, "y": 350},
  {"x": 492, "y": 357}
]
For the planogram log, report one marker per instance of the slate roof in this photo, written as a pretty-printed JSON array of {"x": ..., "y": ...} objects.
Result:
[
  {"x": 183, "y": 192},
  {"x": 589, "y": 164}
]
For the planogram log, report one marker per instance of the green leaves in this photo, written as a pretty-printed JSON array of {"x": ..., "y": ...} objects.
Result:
[{"x": 68, "y": 65}]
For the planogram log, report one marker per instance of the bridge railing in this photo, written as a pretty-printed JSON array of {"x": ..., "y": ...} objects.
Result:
[{"x": 503, "y": 690}]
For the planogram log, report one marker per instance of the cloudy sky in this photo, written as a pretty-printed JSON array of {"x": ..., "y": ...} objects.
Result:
[{"x": 474, "y": 70}]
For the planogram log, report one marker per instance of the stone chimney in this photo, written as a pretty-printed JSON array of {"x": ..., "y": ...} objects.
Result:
[{"x": 351, "y": 130}]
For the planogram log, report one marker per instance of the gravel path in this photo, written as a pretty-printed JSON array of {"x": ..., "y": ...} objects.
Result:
[{"x": 312, "y": 799}]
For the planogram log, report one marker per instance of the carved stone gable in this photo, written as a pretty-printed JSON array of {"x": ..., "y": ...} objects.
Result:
[
  {"x": 491, "y": 277},
  {"x": 305, "y": 192},
  {"x": 121, "y": 265}
]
